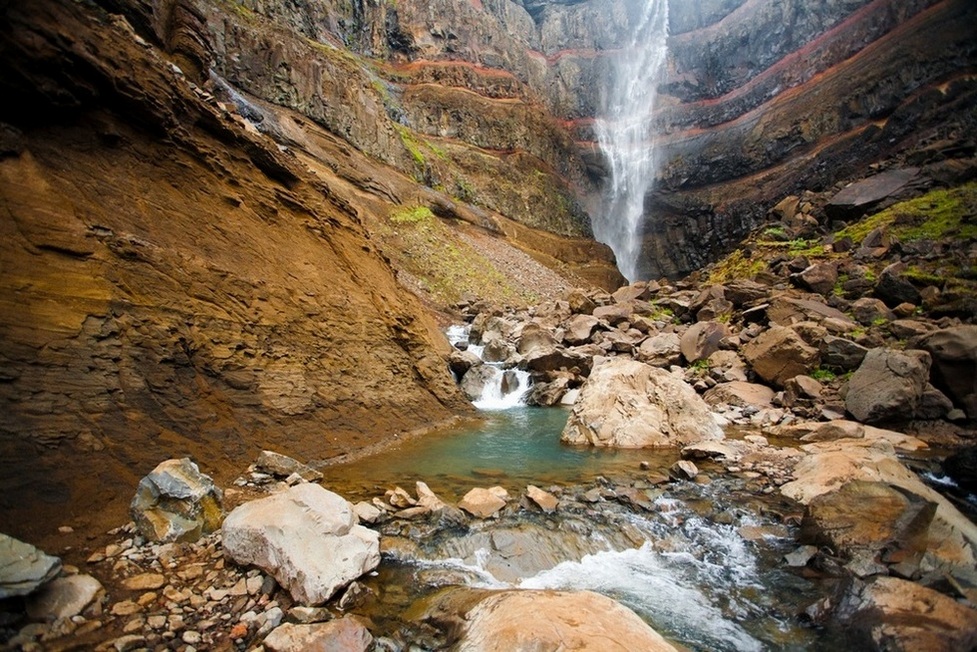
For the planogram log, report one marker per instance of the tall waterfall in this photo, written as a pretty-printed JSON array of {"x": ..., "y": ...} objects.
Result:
[{"x": 624, "y": 131}]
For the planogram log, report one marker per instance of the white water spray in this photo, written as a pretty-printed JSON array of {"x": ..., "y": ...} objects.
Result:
[{"x": 624, "y": 132}]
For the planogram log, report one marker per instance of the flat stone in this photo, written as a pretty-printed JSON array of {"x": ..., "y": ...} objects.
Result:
[
  {"x": 481, "y": 503},
  {"x": 144, "y": 582},
  {"x": 544, "y": 499},
  {"x": 856, "y": 199},
  {"x": 24, "y": 568}
]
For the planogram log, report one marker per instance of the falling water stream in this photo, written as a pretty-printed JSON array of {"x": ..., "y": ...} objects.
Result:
[
  {"x": 624, "y": 131},
  {"x": 683, "y": 561}
]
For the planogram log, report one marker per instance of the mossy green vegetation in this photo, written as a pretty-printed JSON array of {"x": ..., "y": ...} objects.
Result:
[
  {"x": 411, "y": 215},
  {"x": 944, "y": 213}
]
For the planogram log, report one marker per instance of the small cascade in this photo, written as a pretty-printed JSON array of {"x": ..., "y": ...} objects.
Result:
[
  {"x": 624, "y": 132},
  {"x": 503, "y": 388}
]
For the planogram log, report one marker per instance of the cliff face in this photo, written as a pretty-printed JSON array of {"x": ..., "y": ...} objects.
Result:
[
  {"x": 174, "y": 284},
  {"x": 493, "y": 101}
]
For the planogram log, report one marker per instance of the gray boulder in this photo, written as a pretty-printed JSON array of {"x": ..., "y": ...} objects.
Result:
[
  {"x": 702, "y": 340},
  {"x": 662, "y": 350},
  {"x": 475, "y": 381},
  {"x": 176, "y": 502},
  {"x": 841, "y": 353},
  {"x": 305, "y": 537},
  {"x": 888, "y": 385},
  {"x": 24, "y": 568}
]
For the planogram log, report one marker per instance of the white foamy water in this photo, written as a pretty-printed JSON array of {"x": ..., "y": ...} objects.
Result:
[
  {"x": 624, "y": 133},
  {"x": 493, "y": 397}
]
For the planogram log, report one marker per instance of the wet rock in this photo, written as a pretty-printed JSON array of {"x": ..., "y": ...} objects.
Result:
[
  {"x": 461, "y": 361},
  {"x": 961, "y": 466},
  {"x": 888, "y": 385},
  {"x": 513, "y": 620},
  {"x": 543, "y": 499},
  {"x": 954, "y": 354},
  {"x": 176, "y": 502},
  {"x": 24, "y": 568},
  {"x": 779, "y": 354},
  {"x": 628, "y": 404},
  {"x": 283, "y": 466},
  {"x": 800, "y": 556},
  {"x": 346, "y": 634},
  {"x": 894, "y": 615},
  {"x": 862, "y": 519},
  {"x": 477, "y": 379},
  {"x": 702, "y": 340},
  {"x": 427, "y": 499},
  {"x": 63, "y": 597},
  {"x": 683, "y": 470},
  {"x": 481, "y": 502},
  {"x": 306, "y": 537}
]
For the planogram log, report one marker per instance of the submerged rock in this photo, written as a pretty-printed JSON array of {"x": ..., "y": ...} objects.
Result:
[
  {"x": 24, "y": 568},
  {"x": 306, "y": 537},
  {"x": 176, "y": 502},
  {"x": 629, "y": 404},
  {"x": 524, "y": 621}
]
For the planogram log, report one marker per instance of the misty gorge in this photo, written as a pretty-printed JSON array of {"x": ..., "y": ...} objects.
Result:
[{"x": 488, "y": 325}]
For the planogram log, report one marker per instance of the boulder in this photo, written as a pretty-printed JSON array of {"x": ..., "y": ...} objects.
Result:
[
  {"x": 342, "y": 635},
  {"x": 869, "y": 311},
  {"x": 954, "y": 371},
  {"x": 535, "y": 336},
  {"x": 893, "y": 615},
  {"x": 482, "y": 503},
  {"x": 841, "y": 354},
  {"x": 24, "y": 568},
  {"x": 779, "y": 354},
  {"x": 629, "y": 404},
  {"x": 64, "y": 597},
  {"x": 662, "y": 350},
  {"x": 702, "y": 339},
  {"x": 497, "y": 350},
  {"x": 858, "y": 198},
  {"x": 461, "y": 361},
  {"x": 863, "y": 519},
  {"x": 474, "y": 382},
  {"x": 580, "y": 303},
  {"x": 176, "y": 502},
  {"x": 894, "y": 289},
  {"x": 740, "y": 394},
  {"x": 525, "y": 620},
  {"x": 543, "y": 499},
  {"x": 427, "y": 498},
  {"x": 683, "y": 470},
  {"x": 829, "y": 465},
  {"x": 888, "y": 385},
  {"x": 819, "y": 278},
  {"x": 579, "y": 329},
  {"x": 614, "y": 314},
  {"x": 557, "y": 359},
  {"x": 283, "y": 466},
  {"x": 305, "y": 537}
]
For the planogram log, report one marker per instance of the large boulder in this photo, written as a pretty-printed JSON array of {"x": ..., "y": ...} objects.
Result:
[
  {"x": 840, "y": 353},
  {"x": 176, "y": 502},
  {"x": 629, "y": 404},
  {"x": 862, "y": 519},
  {"x": 740, "y": 394},
  {"x": 893, "y": 288},
  {"x": 831, "y": 464},
  {"x": 535, "y": 336},
  {"x": 954, "y": 371},
  {"x": 24, "y": 568},
  {"x": 580, "y": 328},
  {"x": 702, "y": 340},
  {"x": 888, "y": 385},
  {"x": 894, "y": 615},
  {"x": 475, "y": 381},
  {"x": 858, "y": 198},
  {"x": 661, "y": 350},
  {"x": 526, "y": 621},
  {"x": 779, "y": 354},
  {"x": 305, "y": 537}
]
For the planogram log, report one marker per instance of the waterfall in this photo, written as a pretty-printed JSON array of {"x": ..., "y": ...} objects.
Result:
[
  {"x": 624, "y": 131},
  {"x": 503, "y": 388}
]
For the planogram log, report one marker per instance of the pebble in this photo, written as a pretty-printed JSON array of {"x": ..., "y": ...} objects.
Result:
[
  {"x": 125, "y": 608},
  {"x": 191, "y": 637},
  {"x": 144, "y": 582}
]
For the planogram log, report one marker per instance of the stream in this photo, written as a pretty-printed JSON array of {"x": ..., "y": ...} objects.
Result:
[{"x": 701, "y": 562}]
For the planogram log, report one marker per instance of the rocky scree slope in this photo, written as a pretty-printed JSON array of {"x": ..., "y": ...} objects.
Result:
[{"x": 173, "y": 283}]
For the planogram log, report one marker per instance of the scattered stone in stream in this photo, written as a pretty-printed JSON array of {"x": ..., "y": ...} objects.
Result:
[
  {"x": 543, "y": 499},
  {"x": 482, "y": 503},
  {"x": 683, "y": 470},
  {"x": 306, "y": 537},
  {"x": 176, "y": 502}
]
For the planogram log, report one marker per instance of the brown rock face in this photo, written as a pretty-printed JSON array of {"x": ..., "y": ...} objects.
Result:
[{"x": 174, "y": 285}]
